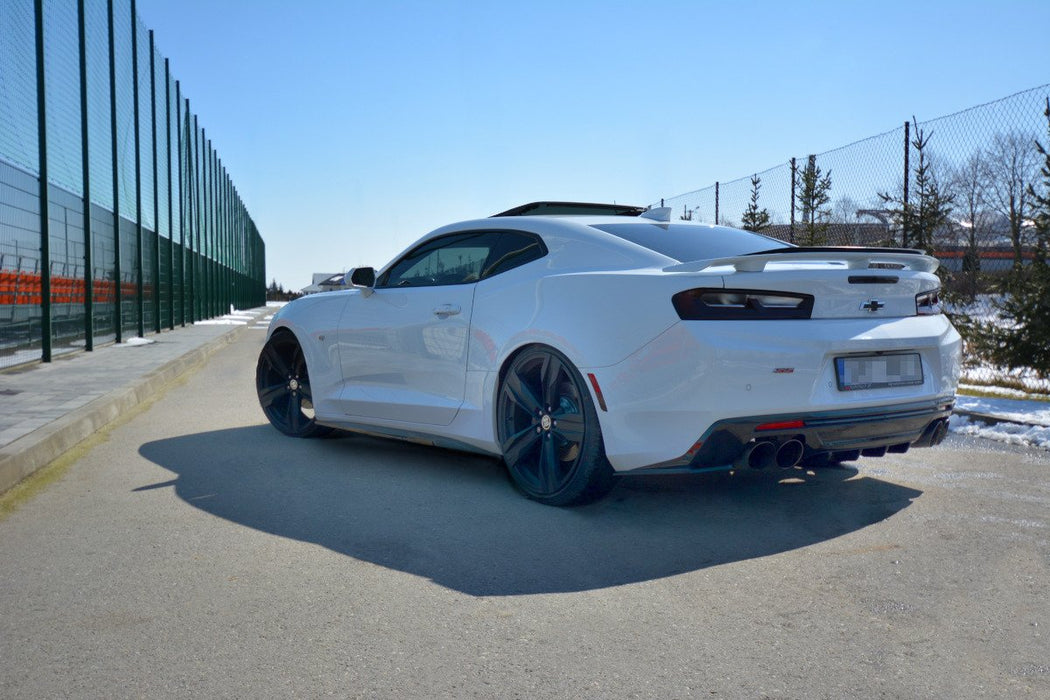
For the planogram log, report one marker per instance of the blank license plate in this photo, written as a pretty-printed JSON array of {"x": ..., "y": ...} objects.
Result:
[{"x": 876, "y": 371}]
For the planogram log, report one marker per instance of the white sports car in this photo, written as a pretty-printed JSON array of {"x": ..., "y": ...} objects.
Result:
[{"x": 582, "y": 341}]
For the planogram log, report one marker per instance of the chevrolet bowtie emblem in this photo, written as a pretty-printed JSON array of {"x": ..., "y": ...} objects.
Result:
[{"x": 872, "y": 305}]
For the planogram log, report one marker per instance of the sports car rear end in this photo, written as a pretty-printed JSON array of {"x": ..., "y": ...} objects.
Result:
[{"x": 785, "y": 355}]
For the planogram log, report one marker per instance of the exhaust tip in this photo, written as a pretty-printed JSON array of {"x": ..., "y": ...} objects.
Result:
[
  {"x": 940, "y": 432},
  {"x": 761, "y": 455},
  {"x": 790, "y": 453}
]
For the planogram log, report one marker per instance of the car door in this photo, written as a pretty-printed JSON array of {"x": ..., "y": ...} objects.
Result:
[{"x": 403, "y": 345}]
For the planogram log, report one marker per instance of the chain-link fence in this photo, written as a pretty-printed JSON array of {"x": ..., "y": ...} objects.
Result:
[
  {"x": 117, "y": 217},
  {"x": 956, "y": 186}
]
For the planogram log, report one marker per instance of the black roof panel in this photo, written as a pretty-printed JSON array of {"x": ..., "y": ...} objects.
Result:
[{"x": 572, "y": 209}]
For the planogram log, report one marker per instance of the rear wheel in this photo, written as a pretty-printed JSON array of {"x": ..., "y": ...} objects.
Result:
[
  {"x": 548, "y": 431},
  {"x": 283, "y": 386}
]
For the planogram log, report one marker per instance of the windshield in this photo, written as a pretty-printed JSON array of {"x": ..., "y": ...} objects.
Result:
[{"x": 684, "y": 243}]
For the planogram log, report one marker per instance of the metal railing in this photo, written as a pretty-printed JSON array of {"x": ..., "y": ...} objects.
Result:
[{"x": 117, "y": 216}]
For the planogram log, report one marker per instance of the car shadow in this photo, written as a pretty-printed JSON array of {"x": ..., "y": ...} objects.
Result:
[{"x": 454, "y": 518}]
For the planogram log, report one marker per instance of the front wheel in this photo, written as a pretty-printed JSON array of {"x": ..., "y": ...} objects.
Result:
[
  {"x": 548, "y": 431},
  {"x": 284, "y": 390}
]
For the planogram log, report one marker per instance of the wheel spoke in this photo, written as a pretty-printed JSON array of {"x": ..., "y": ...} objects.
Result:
[
  {"x": 269, "y": 394},
  {"x": 276, "y": 362},
  {"x": 299, "y": 364},
  {"x": 304, "y": 389},
  {"x": 550, "y": 376},
  {"x": 517, "y": 445},
  {"x": 294, "y": 413},
  {"x": 518, "y": 391},
  {"x": 570, "y": 427},
  {"x": 549, "y": 467}
]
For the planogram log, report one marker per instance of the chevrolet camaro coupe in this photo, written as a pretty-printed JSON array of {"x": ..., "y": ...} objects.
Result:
[{"x": 578, "y": 342}]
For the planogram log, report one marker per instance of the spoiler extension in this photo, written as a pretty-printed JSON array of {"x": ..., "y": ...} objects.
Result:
[{"x": 853, "y": 258}]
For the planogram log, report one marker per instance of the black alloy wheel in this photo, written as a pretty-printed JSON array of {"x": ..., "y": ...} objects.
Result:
[
  {"x": 283, "y": 385},
  {"x": 548, "y": 430}
]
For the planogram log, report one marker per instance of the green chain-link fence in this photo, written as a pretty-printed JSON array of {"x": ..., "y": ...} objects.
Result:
[
  {"x": 975, "y": 166},
  {"x": 117, "y": 217}
]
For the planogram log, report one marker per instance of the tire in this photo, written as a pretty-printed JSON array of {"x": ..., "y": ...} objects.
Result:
[
  {"x": 283, "y": 387},
  {"x": 548, "y": 431}
]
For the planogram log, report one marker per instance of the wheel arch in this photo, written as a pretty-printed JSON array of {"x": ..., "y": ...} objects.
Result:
[{"x": 509, "y": 360}]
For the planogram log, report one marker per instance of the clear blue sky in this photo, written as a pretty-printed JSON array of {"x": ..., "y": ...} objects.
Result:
[{"x": 352, "y": 128}]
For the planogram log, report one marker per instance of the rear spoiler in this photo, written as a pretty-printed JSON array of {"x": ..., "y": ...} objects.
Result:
[{"x": 853, "y": 258}]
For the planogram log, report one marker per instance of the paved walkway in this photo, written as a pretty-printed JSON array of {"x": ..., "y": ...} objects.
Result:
[{"x": 46, "y": 409}]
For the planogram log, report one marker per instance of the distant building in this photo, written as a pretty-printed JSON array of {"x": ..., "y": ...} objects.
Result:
[{"x": 324, "y": 282}]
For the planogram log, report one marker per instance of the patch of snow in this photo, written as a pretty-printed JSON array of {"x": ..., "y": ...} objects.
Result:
[
  {"x": 135, "y": 342},
  {"x": 221, "y": 322},
  {"x": 1034, "y": 412},
  {"x": 1012, "y": 433},
  {"x": 1030, "y": 420}
]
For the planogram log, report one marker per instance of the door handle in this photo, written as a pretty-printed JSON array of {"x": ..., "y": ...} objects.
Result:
[{"x": 446, "y": 310}]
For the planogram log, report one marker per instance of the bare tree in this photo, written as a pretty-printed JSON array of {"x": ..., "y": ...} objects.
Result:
[
  {"x": 1010, "y": 169},
  {"x": 969, "y": 184},
  {"x": 844, "y": 211}
]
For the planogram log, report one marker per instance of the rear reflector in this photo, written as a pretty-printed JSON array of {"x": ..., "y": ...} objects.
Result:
[
  {"x": 782, "y": 425},
  {"x": 598, "y": 392}
]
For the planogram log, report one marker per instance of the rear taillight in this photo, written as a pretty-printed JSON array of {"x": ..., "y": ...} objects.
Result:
[
  {"x": 928, "y": 303},
  {"x": 740, "y": 305}
]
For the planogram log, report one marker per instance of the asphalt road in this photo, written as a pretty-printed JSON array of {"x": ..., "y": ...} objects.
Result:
[{"x": 197, "y": 552}]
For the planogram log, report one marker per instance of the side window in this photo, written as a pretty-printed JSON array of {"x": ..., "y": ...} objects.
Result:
[
  {"x": 513, "y": 249},
  {"x": 456, "y": 259},
  {"x": 463, "y": 258}
]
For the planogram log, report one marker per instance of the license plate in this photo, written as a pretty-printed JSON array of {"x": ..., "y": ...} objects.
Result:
[{"x": 878, "y": 371}]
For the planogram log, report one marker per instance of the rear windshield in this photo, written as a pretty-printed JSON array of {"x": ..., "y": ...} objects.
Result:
[{"x": 685, "y": 243}]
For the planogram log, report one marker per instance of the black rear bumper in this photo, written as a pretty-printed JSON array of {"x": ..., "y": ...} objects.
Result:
[{"x": 872, "y": 431}]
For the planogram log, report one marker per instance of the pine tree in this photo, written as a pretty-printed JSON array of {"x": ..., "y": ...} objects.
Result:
[
  {"x": 921, "y": 219},
  {"x": 1024, "y": 340},
  {"x": 753, "y": 218},
  {"x": 812, "y": 193}
]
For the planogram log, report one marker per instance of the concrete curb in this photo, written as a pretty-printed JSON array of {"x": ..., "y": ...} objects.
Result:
[
  {"x": 991, "y": 419},
  {"x": 39, "y": 448}
]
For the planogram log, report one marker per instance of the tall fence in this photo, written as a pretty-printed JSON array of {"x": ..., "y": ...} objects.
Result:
[
  {"x": 975, "y": 166},
  {"x": 117, "y": 216}
]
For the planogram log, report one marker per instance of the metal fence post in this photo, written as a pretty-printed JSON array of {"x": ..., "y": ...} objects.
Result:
[
  {"x": 905, "y": 214},
  {"x": 171, "y": 197},
  {"x": 45, "y": 221},
  {"x": 793, "y": 172},
  {"x": 183, "y": 291},
  {"x": 118, "y": 314},
  {"x": 89, "y": 321},
  {"x": 197, "y": 303},
  {"x": 139, "y": 291},
  {"x": 716, "y": 203},
  {"x": 156, "y": 187}
]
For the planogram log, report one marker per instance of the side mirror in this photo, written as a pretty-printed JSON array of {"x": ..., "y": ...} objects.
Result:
[{"x": 361, "y": 277}]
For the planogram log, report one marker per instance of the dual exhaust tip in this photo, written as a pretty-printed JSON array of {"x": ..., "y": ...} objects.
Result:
[{"x": 766, "y": 453}]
